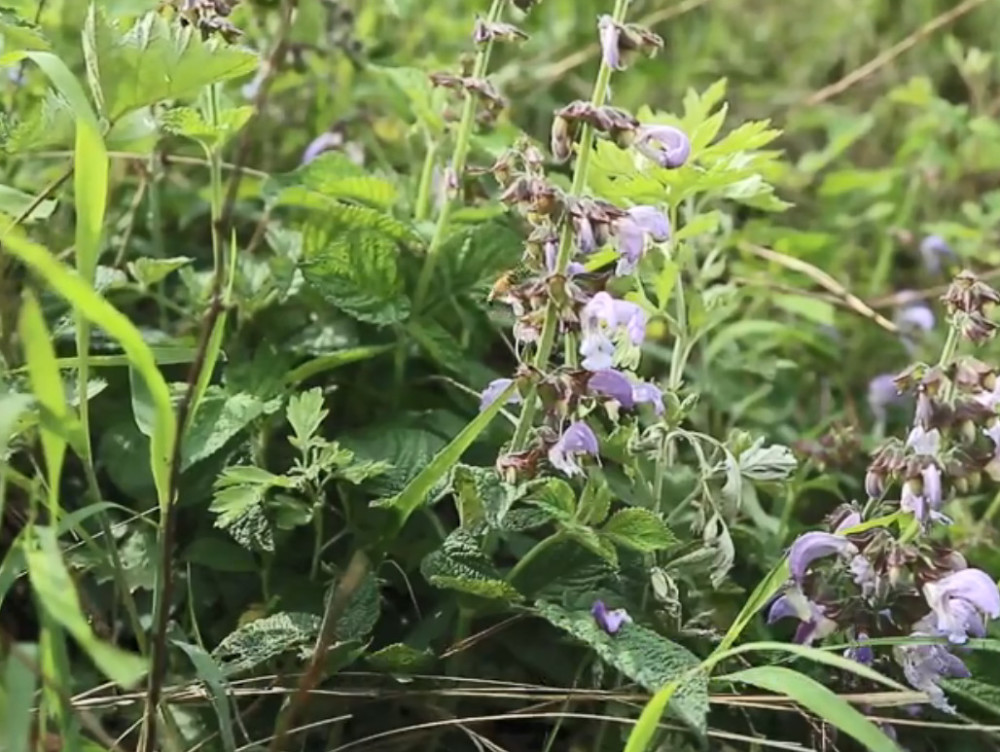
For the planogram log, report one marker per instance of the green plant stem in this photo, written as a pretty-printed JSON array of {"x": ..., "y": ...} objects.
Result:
[
  {"x": 551, "y": 323},
  {"x": 525, "y": 560},
  {"x": 422, "y": 207},
  {"x": 462, "y": 140}
]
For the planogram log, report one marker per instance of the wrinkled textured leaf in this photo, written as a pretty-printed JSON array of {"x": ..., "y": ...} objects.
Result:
[
  {"x": 220, "y": 418},
  {"x": 189, "y": 122},
  {"x": 305, "y": 413},
  {"x": 482, "y": 494},
  {"x": 355, "y": 271},
  {"x": 407, "y": 450},
  {"x": 639, "y": 529},
  {"x": 642, "y": 655},
  {"x": 760, "y": 462},
  {"x": 460, "y": 564},
  {"x": 263, "y": 640},
  {"x": 400, "y": 658},
  {"x": 332, "y": 176},
  {"x": 150, "y": 271}
]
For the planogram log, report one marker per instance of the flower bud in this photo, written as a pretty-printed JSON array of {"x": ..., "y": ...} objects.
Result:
[
  {"x": 874, "y": 484},
  {"x": 561, "y": 139}
]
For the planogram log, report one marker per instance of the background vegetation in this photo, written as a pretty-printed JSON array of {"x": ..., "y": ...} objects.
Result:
[{"x": 248, "y": 496}]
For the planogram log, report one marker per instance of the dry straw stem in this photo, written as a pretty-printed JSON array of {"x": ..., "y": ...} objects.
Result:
[
  {"x": 881, "y": 60},
  {"x": 824, "y": 280}
]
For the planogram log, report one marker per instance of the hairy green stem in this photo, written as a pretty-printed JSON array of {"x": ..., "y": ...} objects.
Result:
[
  {"x": 423, "y": 204},
  {"x": 458, "y": 160},
  {"x": 551, "y": 323}
]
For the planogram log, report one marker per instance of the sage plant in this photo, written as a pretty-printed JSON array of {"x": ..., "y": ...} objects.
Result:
[
  {"x": 860, "y": 581},
  {"x": 578, "y": 341}
]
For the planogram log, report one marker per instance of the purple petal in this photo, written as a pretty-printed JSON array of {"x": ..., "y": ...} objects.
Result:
[
  {"x": 811, "y": 546},
  {"x": 852, "y": 519},
  {"x": 667, "y": 146},
  {"x": 652, "y": 221},
  {"x": 934, "y": 249},
  {"x": 323, "y": 142},
  {"x": 914, "y": 503},
  {"x": 493, "y": 391},
  {"x": 631, "y": 244},
  {"x": 583, "y": 232},
  {"x": 597, "y": 351},
  {"x": 781, "y": 608},
  {"x": 931, "y": 475},
  {"x": 972, "y": 585},
  {"x": 882, "y": 392},
  {"x": 609, "y": 34},
  {"x": 613, "y": 384},
  {"x": 924, "y": 442},
  {"x": 610, "y": 621},
  {"x": 916, "y": 316},
  {"x": 648, "y": 393},
  {"x": 577, "y": 439}
]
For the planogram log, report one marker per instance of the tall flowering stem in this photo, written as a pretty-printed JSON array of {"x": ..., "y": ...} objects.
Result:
[
  {"x": 459, "y": 156},
  {"x": 550, "y": 325}
]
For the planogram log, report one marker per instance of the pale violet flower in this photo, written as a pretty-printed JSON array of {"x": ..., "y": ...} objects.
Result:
[
  {"x": 989, "y": 398},
  {"x": 925, "y": 665},
  {"x": 618, "y": 386},
  {"x": 815, "y": 545},
  {"x": 851, "y": 519},
  {"x": 493, "y": 391},
  {"x": 610, "y": 32},
  {"x": 934, "y": 250},
  {"x": 577, "y": 439},
  {"x": 813, "y": 623},
  {"x": 861, "y": 652},
  {"x": 322, "y": 143},
  {"x": 610, "y": 620},
  {"x": 664, "y": 144},
  {"x": 604, "y": 322},
  {"x": 916, "y": 317},
  {"x": 639, "y": 224},
  {"x": 959, "y": 602},
  {"x": 931, "y": 476},
  {"x": 922, "y": 441},
  {"x": 552, "y": 256},
  {"x": 882, "y": 392}
]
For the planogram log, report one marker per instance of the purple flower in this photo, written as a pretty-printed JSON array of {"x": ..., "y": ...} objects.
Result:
[
  {"x": 993, "y": 432},
  {"x": 959, "y": 602},
  {"x": 610, "y": 621},
  {"x": 914, "y": 503},
  {"x": 850, "y": 520},
  {"x": 639, "y": 223},
  {"x": 667, "y": 146},
  {"x": 493, "y": 391},
  {"x": 926, "y": 665},
  {"x": 619, "y": 387},
  {"x": 613, "y": 384},
  {"x": 989, "y": 398},
  {"x": 323, "y": 142},
  {"x": 931, "y": 475},
  {"x": 861, "y": 653},
  {"x": 924, "y": 442},
  {"x": 812, "y": 616},
  {"x": 882, "y": 392},
  {"x": 551, "y": 256},
  {"x": 602, "y": 321},
  {"x": 815, "y": 545},
  {"x": 576, "y": 440},
  {"x": 916, "y": 317},
  {"x": 934, "y": 249},
  {"x": 610, "y": 32}
]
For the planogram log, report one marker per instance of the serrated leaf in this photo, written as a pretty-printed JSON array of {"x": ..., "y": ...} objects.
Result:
[
  {"x": 150, "y": 271},
  {"x": 20, "y": 34},
  {"x": 440, "y": 345},
  {"x": 355, "y": 271},
  {"x": 190, "y": 123},
  {"x": 359, "y": 472},
  {"x": 13, "y": 406},
  {"x": 400, "y": 658},
  {"x": 986, "y": 696},
  {"x": 263, "y": 640},
  {"x": 332, "y": 176},
  {"x": 155, "y": 60},
  {"x": 595, "y": 501},
  {"x": 305, "y": 413},
  {"x": 238, "y": 503},
  {"x": 461, "y": 565},
  {"x": 14, "y": 203},
  {"x": 555, "y": 496},
  {"x": 473, "y": 258},
  {"x": 50, "y": 123},
  {"x": 481, "y": 495},
  {"x": 406, "y": 450},
  {"x": 642, "y": 655},
  {"x": 362, "y": 611},
  {"x": 594, "y": 543},
  {"x": 218, "y": 420},
  {"x": 423, "y": 99},
  {"x": 639, "y": 529}
]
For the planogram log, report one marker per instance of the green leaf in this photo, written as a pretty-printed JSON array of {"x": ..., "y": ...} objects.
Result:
[
  {"x": 400, "y": 658},
  {"x": 460, "y": 564},
  {"x": 305, "y": 413},
  {"x": 595, "y": 501},
  {"x": 815, "y": 697},
  {"x": 189, "y": 122},
  {"x": 332, "y": 176},
  {"x": 555, "y": 496},
  {"x": 263, "y": 640},
  {"x": 47, "y": 386},
  {"x": 155, "y": 60},
  {"x": 218, "y": 689},
  {"x": 91, "y": 305},
  {"x": 151, "y": 271},
  {"x": 57, "y": 594},
  {"x": 986, "y": 696},
  {"x": 423, "y": 99},
  {"x": 19, "y": 34},
  {"x": 481, "y": 495},
  {"x": 14, "y": 203},
  {"x": 418, "y": 489},
  {"x": 12, "y": 407},
  {"x": 643, "y": 656},
  {"x": 639, "y": 529},
  {"x": 220, "y": 555},
  {"x": 20, "y": 683},
  {"x": 356, "y": 272},
  {"x": 407, "y": 450},
  {"x": 333, "y": 361},
  {"x": 239, "y": 503},
  {"x": 589, "y": 539},
  {"x": 362, "y": 611},
  {"x": 440, "y": 345},
  {"x": 219, "y": 419}
]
